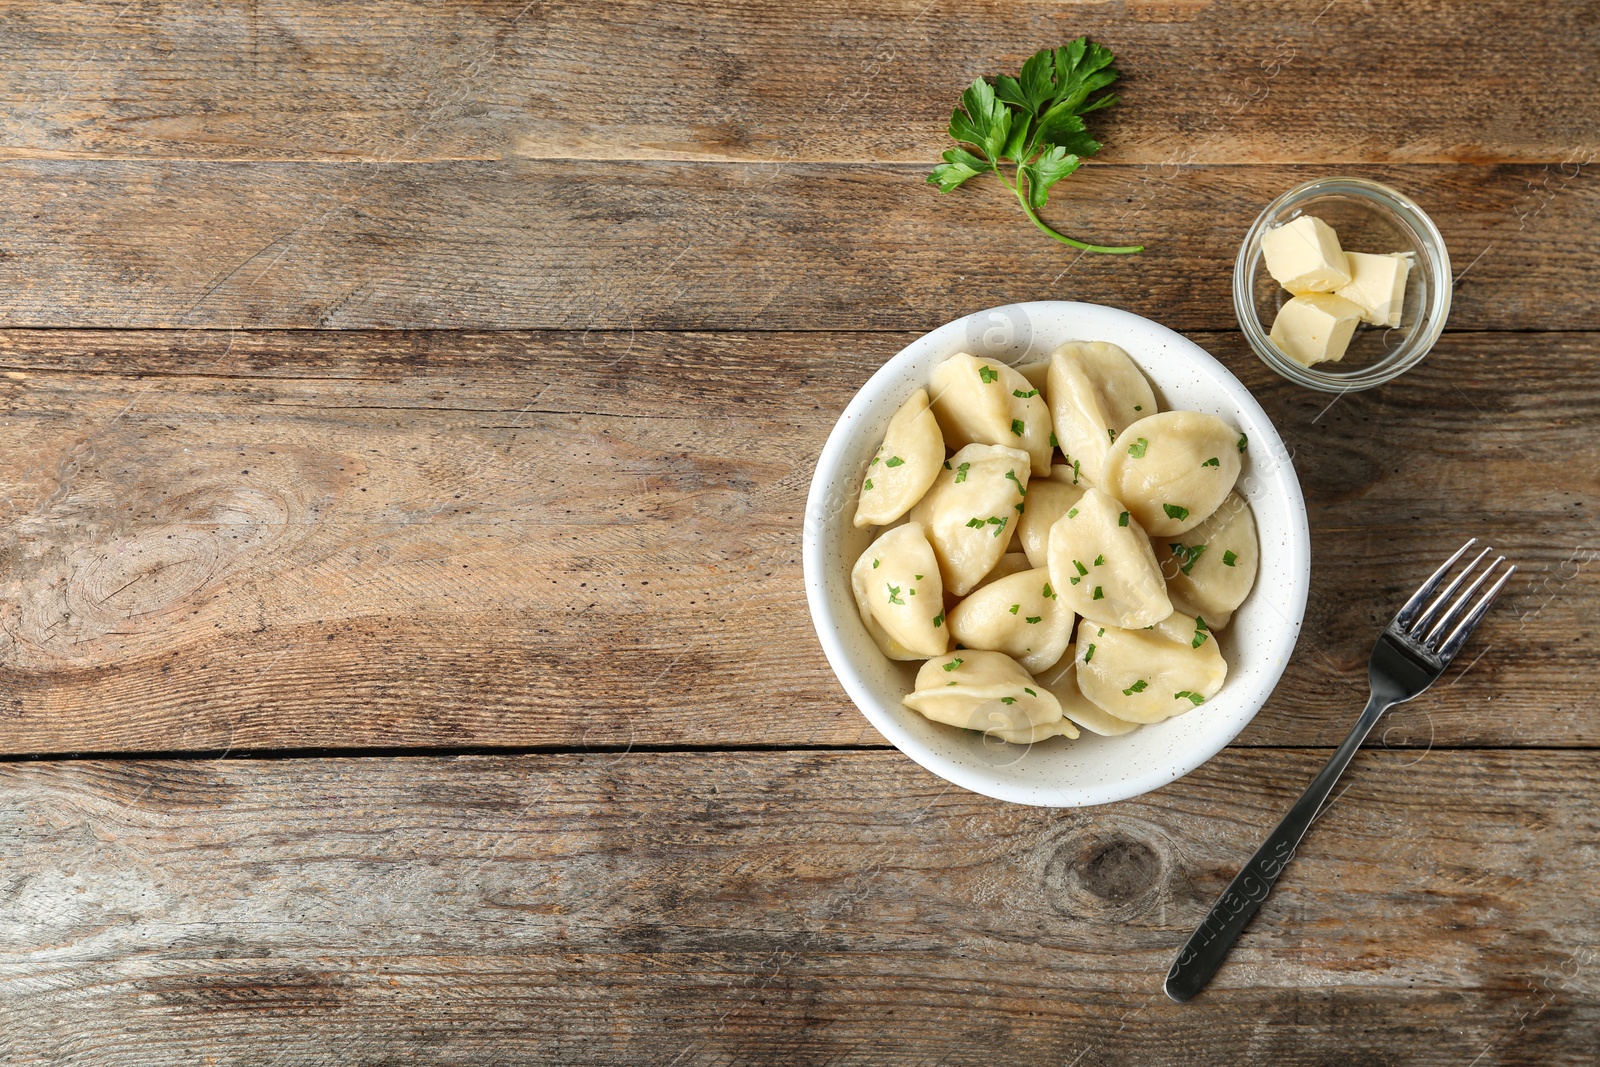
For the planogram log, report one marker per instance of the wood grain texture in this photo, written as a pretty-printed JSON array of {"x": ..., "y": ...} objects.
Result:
[
  {"x": 281, "y": 540},
  {"x": 729, "y": 909},
  {"x": 764, "y": 80},
  {"x": 525, "y": 245}
]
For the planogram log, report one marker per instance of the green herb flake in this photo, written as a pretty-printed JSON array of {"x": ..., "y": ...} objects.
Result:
[
  {"x": 874, "y": 462},
  {"x": 1048, "y": 592},
  {"x": 1138, "y": 407},
  {"x": 875, "y": 564},
  {"x": 1112, "y": 431},
  {"x": 894, "y": 595},
  {"x": 1075, "y": 471},
  {"x": 1081, "y": 568},
  {"x": 998, "y": 523},
  {"x": 1021, "y": 508},
  {"x": 1020, "y": 393},
  {"x": 1089, "y": 652},
  {"x": 1100, "y": 561},
  {"x": 1011, "y": 476},
  {"x": 1175, "y": 511},
  {"x": 938, "y": 620},
  {"x": 1099, "y": 594},
  {"x": 1008, "y": 700},
  {"x": 1186, "y": 555},
  {"x": 868, "y": 487},
  {"x": 1018, "y": 427},
  {"x": 976, "y": 524},
  {"x": 894, "y": 461},
  {"x": 946, "y": 464},
  {"x": 1137, "y": 687},
  {"x": 953, "y": 664},
  {"x": 1122, "y": 520},
  {"x": 1074, "y": 579},
  {"x": 1229, "y": 558},
  {"x": 1072, "y": 513},
  {"x": 1136, "y": 450},
  {"x": 1200, "y": 633},
  {"x": 1194, "y": 698},
  {"x": 1244, "y": 442},
  {"x": 1212, "y": 462},
  {"x": 1101, "y": 632},
  {"x": 1030, "y": 692},
  {"x": 1014, "y": 608},
  {"x": 961, "y": 473},
  {"x": 987, "y": 373},
  {"x": 1032, "y": 619},
  {"x": 1053, "y": 442}
]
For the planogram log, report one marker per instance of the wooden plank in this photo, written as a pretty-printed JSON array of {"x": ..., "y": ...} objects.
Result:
[
  {"x": 715, "y": 908},
  {"x": 289, "y": 539},
  {"x": 764, "y": 80},
  {"x": 529, "y": 245}
]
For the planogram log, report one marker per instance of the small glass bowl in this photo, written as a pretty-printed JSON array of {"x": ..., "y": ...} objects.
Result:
[{"x": 1368, "y": 218}]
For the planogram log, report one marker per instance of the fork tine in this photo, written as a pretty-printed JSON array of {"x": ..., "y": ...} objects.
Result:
[
  {"x": 1408, "y": 610},
  {"x": 1446, "y": 593},
  {"x": 1459, "y": 635},
  {"x": 1452, "y": 614}
]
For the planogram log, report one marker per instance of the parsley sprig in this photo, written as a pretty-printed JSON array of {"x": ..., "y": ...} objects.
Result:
[{"x": 1035, "y": 123}]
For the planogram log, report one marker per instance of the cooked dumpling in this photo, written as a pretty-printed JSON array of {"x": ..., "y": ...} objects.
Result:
[
  {"x": 986, "y": 691},
  {"x": 1174, "y": 469},
  {"x": 1062, "y": 681},
  {"x": 1102, "y": 566},
  {"x": 971, "y": 510},
  {"x": 1149, "y": 675},
  {"x": 1095, "y": 391},
  {"x": 1010, "y": 563},
  {"x": 905, "y": 465},
  {"x": 1210, "y": 569},
  {"x": 987, "y": 402},
  {"x": 897, "y": 586},
  {"x": 1047, "y": 501},
  {"x": 1020, "y": 615}
]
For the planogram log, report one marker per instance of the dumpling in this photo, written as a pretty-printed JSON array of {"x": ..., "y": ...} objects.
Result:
[
  {"x": 1047, "y": 501},
  {"x": 1010, "y": 563},
  {"x": 897, "y": 587},
  {"x": 1095, "y": 391},
  {"x": 987, "y": 402},
  {"x": 1038, "y": 375},
  {"x": 987, "y": 691},
  {"x": 1020, "y": 615},
  {"x": 1062, "y": 681},
  {"x": 1149, "y": 675},
  {"x": 1102, "y": 565},
  {"x": 905, "y": 465},
  {"x": 1210, "y": 569},
  {"x": 1174, "y": 469},
  {"x": 971, "y": 510}
]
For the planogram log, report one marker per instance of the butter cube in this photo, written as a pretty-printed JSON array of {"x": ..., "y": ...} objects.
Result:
[
  {"x": 1315, "y": 327},
  {"x": 1304, "y": 256},
  {"x": 1378, "y": 284}
]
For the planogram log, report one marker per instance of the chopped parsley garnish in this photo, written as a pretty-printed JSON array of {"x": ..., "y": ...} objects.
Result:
[
  {"x": 1081, "y": 568},
  {"x": 875, "y": 564},
  {"x": 946, "y": 464},
  {"x": 1113, "y": 433},
  {"x": 975, "y": 524},
  {"x": 868, "y": 486},
  {"x": 1229, "y": 558},
  {"x": 1014, "y": 608},
  {"x": 1194, "y": 698},
  {"x": 1101, "y": 632},
  {"x": 993, "y": 520},
  {"x": 1018, "y": 427},
  {"x": 1074, "y": 579},
  {"x": 1122, "y": 520},
  {"x": 1138, "y": 407},
  {"x": 1075, "y": 472},
  {"x": 874, "y": 462},
  {"x": 953, "y": 664},
  {"x": 1244, "y": 442},
  {"x": 1212, "y": 462},
  {"x": 1186, "y": 555},
  {"x": 1053, "y": 442},
  {"x": 1200, "y": 632},
  {"x": 987, "y": 373},
  {"x": 894, "y": 595},
  {"x": 1089, "y": 652},
  {"x": 1072, "y": 513},
  {"x": 938, "y": 620},
  {"x": 1030, "y": 692},
  {"x": 1136, "y": 450},
  {"x": 1019, "y": 392},
  {"x": 1012, "y": 476},
  {"x": 1021, "y": 508},
  {"x": 1008, "y": 700},
  {"x": 1137, "y": 687},
  {"x": 1100, "y": 561},
  {"x": 1099, "y": 594},
  {"x": 918, "y": 577},
  {"x": 961, "y": 472},
  {"x": 893, "y": 461},
  {"x": 1051, "y": 593},
  {"x": 1175, "y": 511},
  {"x": 1031, "y": 619}
]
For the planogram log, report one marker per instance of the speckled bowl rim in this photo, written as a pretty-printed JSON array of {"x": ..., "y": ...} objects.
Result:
[{"x": 1184, "y": 375}]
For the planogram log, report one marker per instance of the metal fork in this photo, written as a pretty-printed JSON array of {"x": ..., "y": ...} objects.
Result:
[{"x": 1410, "y": 655}]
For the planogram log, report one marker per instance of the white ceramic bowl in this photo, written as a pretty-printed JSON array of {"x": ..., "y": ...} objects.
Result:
[{"x": 1093, "y": 769}]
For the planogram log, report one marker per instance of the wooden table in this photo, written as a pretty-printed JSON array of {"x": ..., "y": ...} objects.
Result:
[{"x": 408, "y": 412}]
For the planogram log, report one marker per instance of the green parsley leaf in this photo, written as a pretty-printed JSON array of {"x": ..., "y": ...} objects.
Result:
[
  {"x": 1031, "y": 619},
  {"x": 1194, "y": 698},
  {"x": 1113, "y": 432},
  {"x": 946, "y": 464},
  {"x": 976, "y": 524},
  {"x": 1099, "y": 594},
  {"x": 1072, "y": 513},
  {"x": 1137, "y": 687},
  {"x": 1030, "y": 692},
  {"x": 938, "y": 620},
  {"x": 1138, "y": 407},
  {"x": 1012, "y": 477},
  {"x": 1018, "y": 427},
  {"x": 1014, "y": 608},
  {"x": 961, "y": 472},
  {"x": 1101, "y": 632},
  {"x": 918, "y": 577},
  {"x": 1073, "y": 579},
  {"x": 953, "y": 664},
  {"x": 1229, "y": 558},
  {"x": 1100, "y": 561},
  {"x": 1136, "y": 450},
  {"x": 1048, "y": 592},
  {"x": 1008, "y": 700},
  {"x": 1075, "y": 471},
  {"x": 999, "y": 524},
  {"x": 1186, "y": 555},
  {"x": 894, "y": 595},
  {"x": 1122, "y": 520},
  {"x": 1034, "y": 122},
  {"x": 1089, "y": 652},
  {"x": 1053, "y": 442},
  {"x": 1200, "y": 632},
  {"x": 1175, "y": 511},
  {"x": 868, "y": 487},
  {"x": 1030, "y": 392},
  {"x": 893, "y": 461},
  {"x": 1081, "y": 568},
  {"x": 987, "y": 373},
  {"x": 1244, "y": 442},
  {"x": 1021, "y": 508},
  {"x": 874, "y": 564},
  {"x": 1212, "y": 462}
]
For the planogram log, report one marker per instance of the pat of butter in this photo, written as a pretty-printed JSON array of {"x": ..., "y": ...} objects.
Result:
[
  {"x": 1378, "y": 284},
  {"x": 1315, "y": 327},
  {"x": 1304, "y": 256}
]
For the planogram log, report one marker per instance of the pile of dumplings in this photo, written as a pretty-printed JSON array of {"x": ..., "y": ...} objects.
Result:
[{"x": 1022, "y": 507}]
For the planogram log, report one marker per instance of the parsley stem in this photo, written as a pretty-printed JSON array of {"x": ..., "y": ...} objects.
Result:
[{"x": 1022, "y": 198}]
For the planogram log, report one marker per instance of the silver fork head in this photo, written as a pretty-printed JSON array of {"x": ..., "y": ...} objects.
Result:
[{"x": 1443, "y": 626}]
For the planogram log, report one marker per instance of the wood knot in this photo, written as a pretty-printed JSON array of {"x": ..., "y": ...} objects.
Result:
[{"x": 1114, "y": 872}]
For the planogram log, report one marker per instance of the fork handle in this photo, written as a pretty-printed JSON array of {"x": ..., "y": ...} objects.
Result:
[{"x": 1211, "y": 940}]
